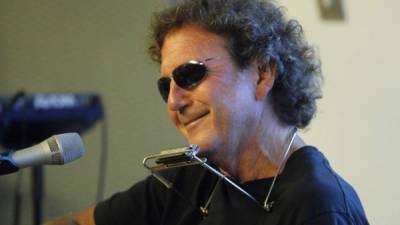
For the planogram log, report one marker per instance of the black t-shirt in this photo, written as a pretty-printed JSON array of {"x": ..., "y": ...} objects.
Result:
[{"x": 307, "y": 192}]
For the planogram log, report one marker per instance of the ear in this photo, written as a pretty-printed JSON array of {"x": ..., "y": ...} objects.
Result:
[{"x": 266, "y": 79}]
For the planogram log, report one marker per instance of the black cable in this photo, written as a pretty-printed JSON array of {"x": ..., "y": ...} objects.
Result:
[
  {"x": 17, "y": 199},
  {"x": 101, "y": 182}
]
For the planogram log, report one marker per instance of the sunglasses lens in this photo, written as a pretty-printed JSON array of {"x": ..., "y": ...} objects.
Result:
[
  {"x": 189, "y": 74},
  {"x": 163, "y": 86},
  {"x": 186, "y": 76}
]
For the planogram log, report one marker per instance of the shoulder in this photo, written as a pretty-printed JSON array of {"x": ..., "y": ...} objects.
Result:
[
  {"x": 333, "y": 218},
  {"x": 317, "y": 191}
]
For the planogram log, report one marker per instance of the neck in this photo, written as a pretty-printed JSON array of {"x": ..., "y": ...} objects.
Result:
[
  {"x": 261, "y": 155},
  {"x": 264, "y": 163}
]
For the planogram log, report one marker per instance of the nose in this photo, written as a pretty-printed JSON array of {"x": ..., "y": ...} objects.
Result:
[{"x": 178, "y": 98}]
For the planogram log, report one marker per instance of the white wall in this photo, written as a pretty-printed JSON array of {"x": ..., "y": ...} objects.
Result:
[{"x": 357, "y": 124}]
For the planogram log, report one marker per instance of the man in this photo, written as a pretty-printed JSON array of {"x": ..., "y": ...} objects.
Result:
[{"x": 238, "y": 80}]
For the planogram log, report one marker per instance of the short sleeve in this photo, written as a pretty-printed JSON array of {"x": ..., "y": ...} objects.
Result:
[{"x": 141, "y": 204}]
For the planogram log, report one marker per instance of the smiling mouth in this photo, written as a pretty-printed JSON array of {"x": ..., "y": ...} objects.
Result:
[{"x": 194, "y": 121}]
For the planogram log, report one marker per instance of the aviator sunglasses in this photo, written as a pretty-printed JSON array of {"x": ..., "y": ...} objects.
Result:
[{"x": 186, "y": 76}]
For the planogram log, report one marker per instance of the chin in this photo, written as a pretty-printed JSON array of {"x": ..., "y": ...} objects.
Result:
[
  {"x": 203, "y": 145},
  {"x": 207, "y": 149},
  {"x": 207, "y": 140}
]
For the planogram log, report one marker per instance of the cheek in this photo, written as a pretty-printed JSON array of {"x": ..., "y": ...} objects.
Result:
[
  {"x": 234, "y": 105},
  {"x": 223, "y": 112}
]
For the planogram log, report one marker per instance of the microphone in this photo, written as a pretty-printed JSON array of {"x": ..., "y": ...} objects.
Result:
[{"x": 56, "y": 150}]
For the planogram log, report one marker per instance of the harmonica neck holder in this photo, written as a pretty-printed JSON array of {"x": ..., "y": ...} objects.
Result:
[{"x": 180, "y": 157}]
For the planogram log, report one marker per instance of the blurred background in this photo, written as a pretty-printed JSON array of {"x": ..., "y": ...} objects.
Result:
[{"x": 100, "y": 46}]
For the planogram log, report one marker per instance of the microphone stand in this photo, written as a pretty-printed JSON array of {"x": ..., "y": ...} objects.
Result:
[
  {"x": 37, "y": 186},
  {"x": 37, "y": 194}
]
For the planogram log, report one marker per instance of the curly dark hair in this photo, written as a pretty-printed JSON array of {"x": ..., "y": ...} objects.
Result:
[{"x": 255, "y": 30}]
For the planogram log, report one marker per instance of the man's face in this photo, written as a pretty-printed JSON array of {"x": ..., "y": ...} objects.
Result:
[{"x": 220, "y": 113}]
